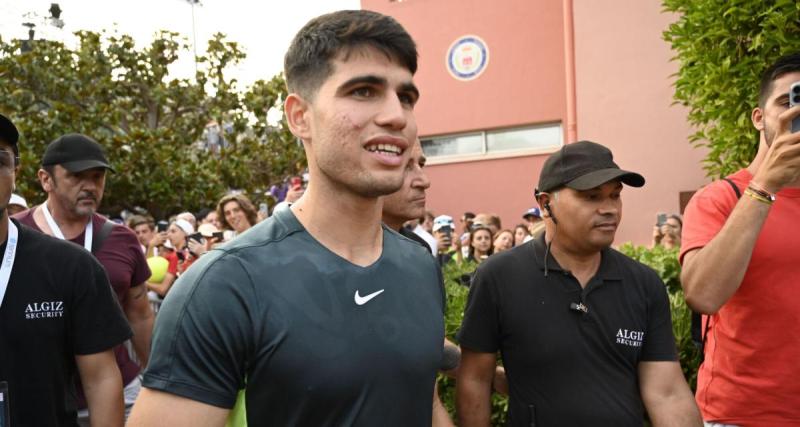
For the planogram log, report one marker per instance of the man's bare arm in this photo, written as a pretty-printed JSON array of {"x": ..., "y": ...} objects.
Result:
[
  {"x": 157, "y": 408},
  {"x": 666, "y": 396},
  {"x": 712, "y": 274},
  {"x": 440, "y": 416},
  {"x": 102, "y": 385},
  {"x": 140, "y": 317},
  {"x": 474, "y": 388}
]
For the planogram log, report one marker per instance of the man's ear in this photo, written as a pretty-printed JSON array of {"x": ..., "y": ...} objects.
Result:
[
  {"x": 297, "y": 112},
  {"x": 757, "y": 117},
  {"x": 543, "y": 199},
  {"x": 45, "y": 180}
]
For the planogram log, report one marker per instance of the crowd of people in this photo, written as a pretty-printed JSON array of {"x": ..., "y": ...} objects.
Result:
[{"x": 331, "y": 311}]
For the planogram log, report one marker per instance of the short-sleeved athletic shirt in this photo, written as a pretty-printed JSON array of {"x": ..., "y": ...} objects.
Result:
[
  {"x": 58, "y": 304},
  {"x": 311, "y": 338},
  {"x": 566, "y": 366}
]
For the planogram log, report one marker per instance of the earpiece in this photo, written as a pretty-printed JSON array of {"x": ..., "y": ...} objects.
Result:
[{"x": 550, "y": 212}]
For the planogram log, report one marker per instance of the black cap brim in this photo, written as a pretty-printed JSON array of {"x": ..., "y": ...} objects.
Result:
[
  {"x": 82, "y": 165},
  {"x": 599, "y": 177},
  {"x": 8, "y": 132}
]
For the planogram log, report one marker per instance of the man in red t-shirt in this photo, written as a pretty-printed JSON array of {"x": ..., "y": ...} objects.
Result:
[
  {"x": 740, "y": 268},
  {"x": 73, "y": 175}
]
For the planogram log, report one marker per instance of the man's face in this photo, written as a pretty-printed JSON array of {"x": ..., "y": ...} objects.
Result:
[
  {"x": 78, "y": 193},
  {"x": 212, "y": 219},
  {"x": 587, "y": 220},
  {"x": 144, "y": 233},
  {"x": 176, "y": 236},
  {"x": 776, "y": 103},
  {"x": 235, "y": 216},
  {"x": 361, "y": 124},
  {"x": 409, "y": 201},
  {"x": 7, "y": 174}
]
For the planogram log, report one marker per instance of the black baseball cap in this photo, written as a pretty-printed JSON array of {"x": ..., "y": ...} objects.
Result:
[
  {"x": 75, "y": 153},
  {"x": 8, "y": 132},
  {"x": 583, "y": 165}
]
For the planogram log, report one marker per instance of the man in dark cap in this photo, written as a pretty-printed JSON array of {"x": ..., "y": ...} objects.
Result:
[
  {"x": 58, "y": 319},
  {"x": 73, "y": 174},
  {"x": 585, "y": 332}
]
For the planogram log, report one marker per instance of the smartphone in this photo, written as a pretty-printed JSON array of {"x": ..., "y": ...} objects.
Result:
[
  {"x": 264, "y": 209},
  {"x": 218, "y": 235},
  {"x": 296, "y": 183},
  {"x": 446, "y": 230},
  {"x": 197, "y": 237},
  {"x": 661, "y": 219},
  {"x": 161, "y": 226},
  {"x": 794, "y": 99}
]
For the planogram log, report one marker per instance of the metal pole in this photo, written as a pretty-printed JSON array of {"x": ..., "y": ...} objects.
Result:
[{"x": 194, "y": 36}]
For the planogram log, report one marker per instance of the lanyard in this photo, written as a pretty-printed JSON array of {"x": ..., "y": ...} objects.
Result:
[
  {"x": 8, "y": 260},
  {"x": 87, "y": 237}
]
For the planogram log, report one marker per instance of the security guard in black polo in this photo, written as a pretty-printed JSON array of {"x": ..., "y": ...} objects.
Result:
[{"x": 584, "y": 332}]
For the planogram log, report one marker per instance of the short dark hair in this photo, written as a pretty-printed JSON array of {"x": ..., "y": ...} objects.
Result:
[
  {"x": 784, "y": 65},
  {"x": 308, "y": 61}
]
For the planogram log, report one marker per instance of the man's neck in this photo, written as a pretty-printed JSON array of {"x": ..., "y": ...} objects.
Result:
[
  {"x": 582, "y": 265},
  {"x": 394, "y": 223},
  {"x": 70, "y": 225},
  {"x": 345, "y": 223}
]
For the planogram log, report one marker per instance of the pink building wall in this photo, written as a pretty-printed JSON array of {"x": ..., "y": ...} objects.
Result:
[
  {"x": 624, "y": 101},
  {"x": 624, "y": 98},
  {"x": 523, "y": 84},
  {"x": 524, "y": 80}
]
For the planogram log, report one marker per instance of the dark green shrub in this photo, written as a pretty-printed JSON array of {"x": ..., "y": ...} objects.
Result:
[
  {"x": 665, "y": 263},
  {"x": 456, "y": 302}
]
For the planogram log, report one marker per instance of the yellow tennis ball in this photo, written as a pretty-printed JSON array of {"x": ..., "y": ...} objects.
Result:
[{"x": 158, "y": 267}]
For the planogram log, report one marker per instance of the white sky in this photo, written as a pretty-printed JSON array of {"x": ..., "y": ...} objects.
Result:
[{"x": 262, "y": 28}]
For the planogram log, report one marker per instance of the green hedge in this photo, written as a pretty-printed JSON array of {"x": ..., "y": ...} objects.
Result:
[{"x": 663, "y": 261}]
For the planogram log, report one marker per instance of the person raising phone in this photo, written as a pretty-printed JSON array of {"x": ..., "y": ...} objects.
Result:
[{"x": 739, "y": 254}]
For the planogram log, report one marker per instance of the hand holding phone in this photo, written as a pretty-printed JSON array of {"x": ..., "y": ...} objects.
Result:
[{"x": 794, "y": 99}]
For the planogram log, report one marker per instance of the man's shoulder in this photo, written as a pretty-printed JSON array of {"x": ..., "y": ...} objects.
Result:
[
  {"x": 629, "y": 268},
  {"x": 273, "y": 231},
  {"x": 44, "y": 247},
  {"x": 118, "y": 231},
  {"x": 522, "y": 256},
  {"x": 723, "y": 188},
  {"x": 409, "y": 234},
  {"x": 26, "y": 217},
  {"x": 408, "y": 241}
]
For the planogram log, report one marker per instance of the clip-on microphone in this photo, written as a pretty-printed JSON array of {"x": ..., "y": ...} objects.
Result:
[{"x": 579, "y": 307}]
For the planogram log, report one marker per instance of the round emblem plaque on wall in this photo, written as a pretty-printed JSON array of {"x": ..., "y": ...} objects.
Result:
[{"x": 467, "y": 57}]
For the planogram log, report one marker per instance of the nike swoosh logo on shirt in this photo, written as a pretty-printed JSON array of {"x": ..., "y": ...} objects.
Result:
[{"x": 365, "y": 299}]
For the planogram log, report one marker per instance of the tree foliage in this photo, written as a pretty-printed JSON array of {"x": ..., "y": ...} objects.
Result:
[
  {"x": 723, "y": 46},
  {"x": 151, "y": 125}
]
